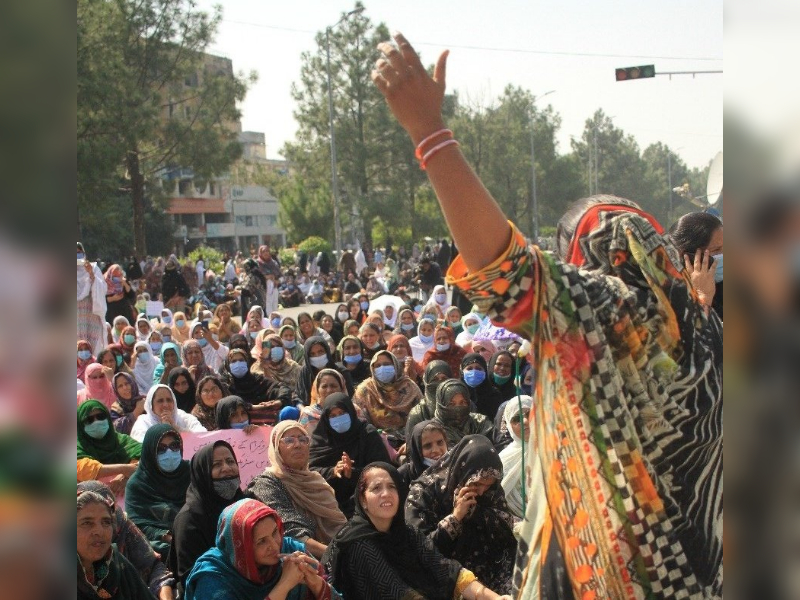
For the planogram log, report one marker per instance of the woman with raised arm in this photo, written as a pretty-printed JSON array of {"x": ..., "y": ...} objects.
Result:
[{"x": 633, "y": 363}]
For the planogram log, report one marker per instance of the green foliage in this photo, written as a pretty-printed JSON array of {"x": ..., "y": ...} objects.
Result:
[
  {"x": 212, "y": 258},
  {"x": 286, "y": 256},
  {"x": 314, "y": 244}
]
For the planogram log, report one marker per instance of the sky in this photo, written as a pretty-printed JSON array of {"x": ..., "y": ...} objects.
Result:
[{"x": 569, "y": 46}]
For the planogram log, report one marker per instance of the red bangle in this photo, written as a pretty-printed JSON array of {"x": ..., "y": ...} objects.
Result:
[
  {"x": 420, "y": 147},
  {"x": 424, "y": 163}
]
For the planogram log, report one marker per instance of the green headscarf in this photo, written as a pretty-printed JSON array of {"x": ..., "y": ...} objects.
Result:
[{"x": 114, "y": 448}]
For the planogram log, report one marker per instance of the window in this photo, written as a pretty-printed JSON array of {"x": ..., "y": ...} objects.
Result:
[
  {"x": 246, "y": 220},
  {"x": 185, "y": 187}
]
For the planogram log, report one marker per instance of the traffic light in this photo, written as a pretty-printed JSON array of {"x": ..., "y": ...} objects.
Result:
[{"x": 626, "y": 73}]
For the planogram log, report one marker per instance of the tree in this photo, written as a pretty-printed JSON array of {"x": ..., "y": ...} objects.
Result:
[
  {"x": 664, "y": 170},
  {"x": 150, "y": 100}
]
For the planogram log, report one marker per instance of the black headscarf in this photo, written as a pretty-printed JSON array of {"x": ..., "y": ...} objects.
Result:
[
  {"x": 252, "y": 387},
  {"x": 308, "y": 373},
  {"x": 415, "y": 465},
  {"x": 237, "y": 340},
  {"x": 434, "y": 368},
  {"x": 507, "y": 390},
  {"x": 186, "y": 400},
  {"x": 485, "y": 398},
  {"x": 224, "y": 409},
  {"x": 195, "y": 526},
  {"x": 397, "y": 546}
]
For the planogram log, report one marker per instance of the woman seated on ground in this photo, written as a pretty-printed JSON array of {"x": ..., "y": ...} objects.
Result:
[
  {"x": 341, "y": 446},
  {"x": 183, "y": 387},
  {"x": 126, "y": 343},
  {"x": 459, "y": 504},
  {"x": 160, "y": 407},
  {"x": 273, "y": 361},
  {"x": 253, "y": 560},
  {"x": 143, "y": 365},
  {"x": 376, "y": 555},
  {"x": 111, "y": 358},
  {"x": 406, "y": 323},
  {"x": 318, "y": 357},
  {"x": 98, "y": 387},
  {"x": 296, "y": 352},
  {"x": 306, "y": 329},
  {"x": 470, "y": 323},
  {"x": 399, "y": 346},
  {"x": 501, "y": 370},
  {"x": 371, "y": 337},
  {"x": 180, "y": 328},
  {"x": 210, "y": 391},
  {"x": 103, "y": 453},
  {"x": 454, "y": 413},
  {"x": 436, "y": 372},
  {"x": 231, "y": 413},
  {"x": 131, "y": 543},
  {"x": 426, "y": 444},
  {"x": 224, "y": 324},
  {"x": 264, "y": 396},
  {"x": 423, "y": 341},
  {"x": 214, "y": 353},
  {"x": 452, "y": 319},
  {"x": 518, "y": 427},
  {"x": 170, "y": 359},
  {"x": 327, "y": 382},
  {"x": 485, "y": 348},
  {"x": 102, "y": 571},
  {"x": 241, "y": 342},
  {"x": 303, "y": 499},
  {"x": 352, "y": 359},
  {"x": 444, "y": 348},
  {"x": 213, "y": 485},
  {"x": 129, "y": 404},
  {"x": 85, "y": 358},
  {"x": 483, "y": 396},
  {"x": 352, "y": 327},
  {"x": 194, "y": 360},
  {"x": 386, "y": 398},
  {"x": 157, "y": 490},
  {"x": 156, "y": 341}
]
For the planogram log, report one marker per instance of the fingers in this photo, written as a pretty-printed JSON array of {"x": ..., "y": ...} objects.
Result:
[
  {"x": 705, "y": 261},
  {"x": 407, "y": 51},
  {"x": 440, "y": 70},
  {"x": 698, "y": 259},
  {"x": 687, "y": 263}
]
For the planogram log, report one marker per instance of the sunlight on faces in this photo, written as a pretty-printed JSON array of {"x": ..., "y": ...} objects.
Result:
[
  {"x": 351, "y": 348},
  {"x": 167, "y": 440},
  {"x": 327, "y": 323},
  {"x": 223, "y": 464},
  {"x": 294, "y": 456},
  {"x": 210, "y": 394},
  {"x": 306, "y": 325},
  {"x": 454, "y": 317},
  {"x": 143, "y": 327},
  {"x": 155, "y": 337},
  {"x": 194, "y": 356},
  {"x": 368, "y": 337},
  {"x": 434, "y": 444},
  {"x": 95, "y": 531},
  {"x": 287, "y": 335},
  {"x": 181, "y": 384},
  {"x": 400, "y": 352},
  {"x": 163, "y": 403},
  {"x": 382, "y": 361},
  {"x": 171, "y": 357},
  {"x": 108, "y": 360},
  {"x": 502, "y": 365},
  {"x": 389, "y": 311},
  {"x": 426, "y": 328},
  {"x": 485, "y": 352},
  {"x": 124, "y": 388},
  {"x": 441, "y": 337},
  {"x": 407, "y": 318},
  {"x": 353, "y": 330},
  {"x": 380, "y": 498},
  {"x": 482, "y": 485},
  {"x": 328, "y": 385},
  {"x": 517, "y": 426},
  {"x": 224, "y": 312},
  {"x": 267, "y": 542}
]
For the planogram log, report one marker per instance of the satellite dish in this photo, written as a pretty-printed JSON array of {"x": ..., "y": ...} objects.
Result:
[{"x": 714, "y": 185}]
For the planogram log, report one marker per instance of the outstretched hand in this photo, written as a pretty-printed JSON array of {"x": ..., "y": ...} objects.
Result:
[{"x": 414, "y": 97}]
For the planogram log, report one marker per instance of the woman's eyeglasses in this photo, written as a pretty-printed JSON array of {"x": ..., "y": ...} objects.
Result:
[
  {"x": 92, "y": 418},
  {"x": 174, "y": 446},
  {"x": 209, "y": 390},
  {"x": 291, "y": 440}
]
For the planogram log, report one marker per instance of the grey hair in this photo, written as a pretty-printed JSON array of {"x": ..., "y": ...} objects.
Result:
[{"x": 88, "y": 497}]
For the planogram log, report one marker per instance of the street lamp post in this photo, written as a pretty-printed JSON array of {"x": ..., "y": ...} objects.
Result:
[
  {"x": 337, "y": 224},
  {"x": 534, "y": 203}
]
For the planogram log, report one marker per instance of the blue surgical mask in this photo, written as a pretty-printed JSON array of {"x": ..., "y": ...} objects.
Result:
[
  {"x": 353, "y": 359},
  {"x": 385, "y": 373},
  {"x": 364, "y": 305},
  {"x": 84, "y": 354},
  {"x": 473, "y": 328},
  {"x": 429, "y": 462},
  {"x": 97, "y": 429},
  {"x": 318, "y": 362},
  {"x": 239, "y": 368},
  {"x": 253, "y": 335},
  {"x": 418, "y": 308},
  {"x": 116, "y": 279},
  {"x": 425, "y": 339},
  {"x": 167, "y": 338},
  {"x": 81, "y": 256},
  {"x": 169, "y": 460},
  {"x": 129, "y": 339},
  {"x": 241, "y": 425},
  {"x": 475, "y": 377},
  {"x": 443, "y": 347},
  {"x": 289, "y": 344},
  {"x": 407, "y": 326},
  {"x": 718, "y": 264},
  {"x": 166, "y": 319},
  {"x": 156, "y": 346},
  {"x": 430, "y": 317},
  {"x": 203, "y": 342},
  {"x": 143, "y": 358},
  {"x": 180, "y": 323},
  {"x": 276, "y": 322},
  {"x": 341, "y": 424},
  {"x": 441, "y": 298},
  {"x": 276, "y": 354},
  {"x": 343, "y": 316}
]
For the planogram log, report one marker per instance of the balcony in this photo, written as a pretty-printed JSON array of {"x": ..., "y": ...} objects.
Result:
[{"x": 215, "y": 230}]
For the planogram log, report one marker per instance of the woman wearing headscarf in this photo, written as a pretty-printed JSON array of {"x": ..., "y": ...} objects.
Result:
[
  {"x": 91, "y": 301},
  {"x": 253, "y": 559},
  {"x": 160, "y": 407},
  {"x": 210, "y": 391},
  {"x": 454, "y": 413},
  {"x": 341, "y": 446},
  {"x": 129, "y": 402},
  {"x": 224, "y": 325},
  {"x": 273, "y": 361},
  {"x": 352, "y": 359},
  {"x": 483, "y": 396},
  {"x": 423, "y": 341},
  {"x": 102, "y": 451},
  {"x": 240, "y": 342},
  {"x": 318, "y": 357},
  {"x": 264, "y": 396},
  {"x": 376, "y": 555},
  {"x": 445, "y": 348},
  {"x": 371, "y": 336},
  {"x": 452, "y": 318},
  {"x": 127, "y": 340},
  {"x": 388, "y": 396},
  {"x": 327, "y": 382},
  {"x": 517, "y": 421},
  {"x": 85, "y": 358},
  {"x": 120, "y": 296},
  {"x": 131, "y": 543},
  {"x": 426, "y": 444},
  {"x": 288, "y": 336},
  {"x": 143, "y": 365},
  {"x": 97, "y": 387},
  {"x": 183, "y": 387},
  {"x": 406, "y": 323},
  {"x": 470, "y": 323},
  {"x": 306, "y": 329},
  {"x": 119, "y": 323},
  {"x": 157, "y": 490},
  {"x": 143, "y": 328},
  {"x": 460, "y": 506},
  {"x": 304, "y": 500},
  {"x": 112, "y": 357},
  {"x": 254, "y": 287},
  {"x": 501, "y": 374},
  {"x": 399, "y": 346},
  {"x": 214, "y": 353},
  {"x": 436, "y": 372},
  {"x": 174, "y": 289},
  {"x": 180, "y": 328},
  {"x": 439, "y": 301},
  {"x": 213, "y": 485}
]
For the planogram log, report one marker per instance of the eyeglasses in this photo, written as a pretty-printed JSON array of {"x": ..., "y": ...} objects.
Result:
[
  {"x": 92, "y": 418},
  {"x": 291, "y": 440},
  {"x": 174, "y": 446},
  {"x": 209, "y": 389}
]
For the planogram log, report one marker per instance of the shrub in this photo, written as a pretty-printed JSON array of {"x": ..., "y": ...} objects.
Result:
[{"x": 211, "y": 256}]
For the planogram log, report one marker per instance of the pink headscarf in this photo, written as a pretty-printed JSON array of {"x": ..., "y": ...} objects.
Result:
[
  {"x": 97, "y": 389},
  {"x": 114, "y": 287}
]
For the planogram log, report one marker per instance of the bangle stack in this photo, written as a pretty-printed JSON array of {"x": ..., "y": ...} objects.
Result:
[{"x": 424, "y": 151}]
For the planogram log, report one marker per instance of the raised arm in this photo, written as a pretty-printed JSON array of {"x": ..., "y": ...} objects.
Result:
[{"x": 415, "y": 99}]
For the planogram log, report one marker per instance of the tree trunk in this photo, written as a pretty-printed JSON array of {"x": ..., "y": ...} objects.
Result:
[{"x": 137, "y": 197}]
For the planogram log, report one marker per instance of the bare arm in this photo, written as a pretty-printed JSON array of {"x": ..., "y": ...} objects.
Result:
[{"x": 415, "y": 99}]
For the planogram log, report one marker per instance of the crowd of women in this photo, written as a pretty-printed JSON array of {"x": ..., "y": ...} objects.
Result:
[{"x": 408, "y": 459}]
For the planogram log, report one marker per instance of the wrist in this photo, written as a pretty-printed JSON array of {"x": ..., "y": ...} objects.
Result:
[{"x": 423, "y": 130}]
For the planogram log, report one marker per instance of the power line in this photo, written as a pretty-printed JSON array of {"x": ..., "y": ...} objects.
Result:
[{"x": 492, "y": 49}]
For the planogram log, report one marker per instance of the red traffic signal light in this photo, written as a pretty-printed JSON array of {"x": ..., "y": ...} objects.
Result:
[{"x": 641, "y": 72}]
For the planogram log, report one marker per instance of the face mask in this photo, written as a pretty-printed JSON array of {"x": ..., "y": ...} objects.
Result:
[
  {"x": 156, "y": 346},
  {"x": 474, "y": 378},
  {"x": 170, "y": 460},
  {"x": 276, "y": 322},
  {"x": 500, "y": 380},
  {"x": 116, "y": 279},
  {"x": 167, "y": 338},
  {"x": 180, "y": 323},
  {"x": 718, "y": 271},
  {"x": 143, "y": 358},
  {"x": 81, "y": 256},
  {"x": 385, "y": 373},
  {"x": 418, "y": 308},
  {"x": 473, "y": 328},
  {"x": 441, "y": 298},
  {"x": 203, "y": 342},
  {"x": 364, "y": 305},
  {"x": 343, "y": 316},
  {"x": 425, "y": 339},
  {"x": 239, "y": 368},
  {"x": 455, "y": 415},
  {"x": 429, "y": 462},
  {"x": 443, "y": 347},
  {"x": 430, "y": 317},
  {"x": 84, "y": 354},
  {"x": 166, "y": 319},
  {"x": 289, "y": 344},
  {"x": 118, "y": 358},
  {"x": 318, "y": 362},
  {"x": 406, "y": 326},
  {"x": 352, "y": 360},
  {"x": 129, "y": 339},
  {"x": 97, "y": 429},
  {"x": 241, "y": 425},
  {"x": 227, "y": 486},
  {"x": 375, "y": 346},
  {"x": 276, "y": 354},
  {"x": 341, "y": 423}
]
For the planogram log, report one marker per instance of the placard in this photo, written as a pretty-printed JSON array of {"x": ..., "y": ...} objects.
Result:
[
  {"x": 251, "y": 449},
  {"x": 153, "y": 308}
]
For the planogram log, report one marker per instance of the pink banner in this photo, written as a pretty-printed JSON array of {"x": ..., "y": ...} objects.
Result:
[{"x": 251, "y": 449}]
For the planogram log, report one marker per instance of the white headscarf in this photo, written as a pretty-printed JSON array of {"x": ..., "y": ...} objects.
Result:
[
  {"x": 97, "y": 288},
  {"x": 142, "y": 337},
  {"x": 118, "y": 319},
  {"x": 511, "y": 456},
  {"x": 183, "y": 421},
  {"x": 143, "y": 371}
]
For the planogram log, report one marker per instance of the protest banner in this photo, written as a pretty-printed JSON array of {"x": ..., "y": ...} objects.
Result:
[{"x": 251, "y": 449}]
